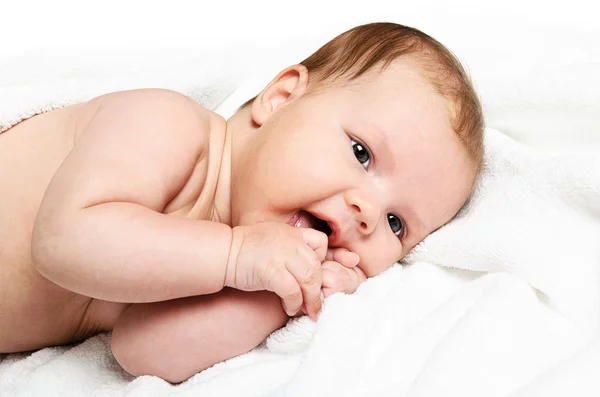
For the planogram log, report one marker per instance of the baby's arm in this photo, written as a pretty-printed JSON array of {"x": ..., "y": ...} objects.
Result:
[
  {"x": 176, "y": 339},
  {"x": 100, "y": 231}
]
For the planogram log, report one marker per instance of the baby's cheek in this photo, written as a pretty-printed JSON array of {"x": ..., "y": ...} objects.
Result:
[
  {"x": 380, "y": 252},
  {"x": 373, "y": 267}
]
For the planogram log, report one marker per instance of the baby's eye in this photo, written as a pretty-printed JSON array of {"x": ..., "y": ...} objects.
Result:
[
  {"x": 395, "y": 224},
  {"x": 361, "y": 153}
]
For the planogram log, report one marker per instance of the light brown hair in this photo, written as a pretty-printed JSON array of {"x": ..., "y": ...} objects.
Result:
[{"x": 356, "y": 51}]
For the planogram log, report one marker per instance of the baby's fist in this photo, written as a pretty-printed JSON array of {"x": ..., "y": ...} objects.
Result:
[{"x": 279, "y": 258}]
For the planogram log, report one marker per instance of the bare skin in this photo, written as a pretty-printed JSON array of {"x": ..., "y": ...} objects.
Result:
[
  {"x": 35, "y": 312},
  {"x": 141, "y": 213}
]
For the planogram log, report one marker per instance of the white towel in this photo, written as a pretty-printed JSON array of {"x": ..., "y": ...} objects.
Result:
[
  {"x": 535, "y": 215},
  {"x": 503, "y": 301}
]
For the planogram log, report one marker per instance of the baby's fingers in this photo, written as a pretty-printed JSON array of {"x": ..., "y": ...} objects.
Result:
[
  {"x": 327, "y": 292},
  {"x": 332, "y": 278},
  {"x": 306, "y": 269},
  {"x": 337, "y": 278},
  {"x": 316, "y": 240},
  {"x": 342, "y": 256},
  {"x": 360, "y": 275},
  {"x": 287, "y": 288}
]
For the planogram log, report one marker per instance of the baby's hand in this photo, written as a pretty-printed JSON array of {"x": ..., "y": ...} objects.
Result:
[
  {"x": 340, "y": 273},
  {"x": 279, "y": 258}
]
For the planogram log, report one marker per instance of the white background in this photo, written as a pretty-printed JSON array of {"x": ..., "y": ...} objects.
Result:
[{"x": 535, "y": 63}]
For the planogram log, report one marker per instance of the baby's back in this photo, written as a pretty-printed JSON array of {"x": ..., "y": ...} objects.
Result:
[{"x": 33, "y": 311}]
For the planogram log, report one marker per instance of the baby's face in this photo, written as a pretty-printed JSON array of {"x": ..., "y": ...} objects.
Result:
[{"x": 375, "y": 164}]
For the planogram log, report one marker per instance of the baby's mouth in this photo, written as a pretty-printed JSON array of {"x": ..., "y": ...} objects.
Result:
[{"x": 307, "y": 220}]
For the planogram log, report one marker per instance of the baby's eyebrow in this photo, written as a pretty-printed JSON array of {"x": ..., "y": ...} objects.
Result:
[
  {"x": 381, "y": 133},
  {"x": 417, "y": 229},
  {"x": 382, "y": 141}
]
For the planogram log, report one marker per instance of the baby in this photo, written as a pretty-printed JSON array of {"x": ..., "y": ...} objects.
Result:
[{"x": 192, "y": 238}]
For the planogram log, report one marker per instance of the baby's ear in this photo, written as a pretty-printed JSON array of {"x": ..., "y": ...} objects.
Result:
[{"x": 290, "y": 84}]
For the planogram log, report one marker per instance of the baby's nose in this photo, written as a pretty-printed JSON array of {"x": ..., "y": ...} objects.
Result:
[{"x": 366, "y": 209}]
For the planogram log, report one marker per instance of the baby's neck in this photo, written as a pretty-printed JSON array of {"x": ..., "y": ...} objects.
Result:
[
  {"x": 222, "y": 199},
  {"x": 239, "y": 128}
]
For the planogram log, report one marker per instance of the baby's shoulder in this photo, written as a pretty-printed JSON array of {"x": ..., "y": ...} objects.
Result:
[
  {"x": 180, "y": 117},
  {"x": 176, "y": 145},
  {"x": 154, "y": 103},
  {"x": 152, "y": 112}
]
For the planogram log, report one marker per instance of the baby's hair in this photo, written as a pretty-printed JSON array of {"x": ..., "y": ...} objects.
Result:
[{"x": 356, "y": 51}]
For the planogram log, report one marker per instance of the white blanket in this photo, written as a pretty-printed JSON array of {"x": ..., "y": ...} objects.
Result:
[{"x": 504, "y": 301}]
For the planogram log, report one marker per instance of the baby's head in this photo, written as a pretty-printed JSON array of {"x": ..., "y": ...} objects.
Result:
[{"x": 375, "y": 139}]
